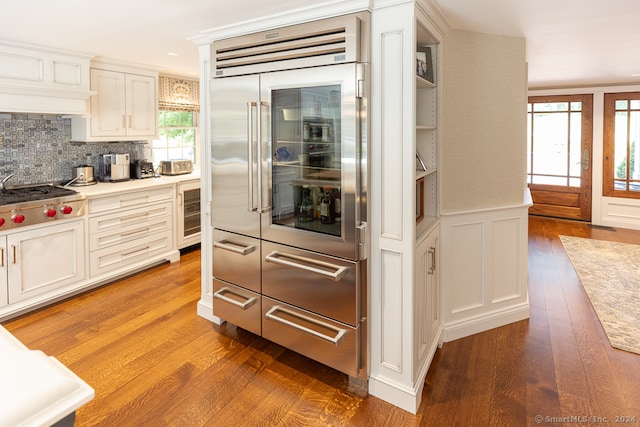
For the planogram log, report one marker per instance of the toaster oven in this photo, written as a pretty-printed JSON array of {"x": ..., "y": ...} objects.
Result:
[{"x": 176, "y": 167}]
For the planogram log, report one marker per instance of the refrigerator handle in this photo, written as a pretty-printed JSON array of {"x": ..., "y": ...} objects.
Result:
[
  {"x": 251, "y": 106},
  {"x": 264, "y": 158},
  {"x": 321, "y": 268}
]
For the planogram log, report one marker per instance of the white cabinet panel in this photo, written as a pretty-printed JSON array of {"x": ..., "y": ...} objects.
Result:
[
  {"x": 123, "y": 255},
  {"x": 44, "y": 259}
]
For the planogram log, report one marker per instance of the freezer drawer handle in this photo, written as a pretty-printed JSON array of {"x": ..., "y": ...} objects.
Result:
[
  {"x": 248, "y": 303},
  {"x": 290, "y": 261},
  {"x": 334, "y": 340},
  {"x": 234, "y": 247}
]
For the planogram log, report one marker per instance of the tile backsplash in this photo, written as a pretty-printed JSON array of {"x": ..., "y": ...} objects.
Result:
[{"x": 37, "y": 150}]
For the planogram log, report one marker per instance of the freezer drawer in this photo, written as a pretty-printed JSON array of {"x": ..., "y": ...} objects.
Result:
[
  {"x": 237, "y": 305},
  {"x": 334, "y": 344},
  {"x": 236, "y": 259},
  {"x": 324, "y": 285}
]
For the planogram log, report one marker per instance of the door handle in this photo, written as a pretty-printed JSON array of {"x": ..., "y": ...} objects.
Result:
[
  {"x": 234, "y": 247},
  {"x": 264, "y": 157},
  {"x": 585, "y": 160},
  {"x": 243, "y": 305},
  {"x": 333, "y": 340},
  {"x": 250, "y": 154},
  {"x": 325, "y": 269}
]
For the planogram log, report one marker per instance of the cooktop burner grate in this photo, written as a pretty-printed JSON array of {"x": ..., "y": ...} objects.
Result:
[{"x": 37, "y": 192}]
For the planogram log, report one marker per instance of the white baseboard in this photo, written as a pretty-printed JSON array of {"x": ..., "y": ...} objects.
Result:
[
  {"x": 484, "y": 322},
  {"x": 396, "y": 394},
  {"x": 205, "y": 310}
]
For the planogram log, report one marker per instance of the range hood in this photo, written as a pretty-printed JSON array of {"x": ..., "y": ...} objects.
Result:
[{"x": 40, "y": 80}]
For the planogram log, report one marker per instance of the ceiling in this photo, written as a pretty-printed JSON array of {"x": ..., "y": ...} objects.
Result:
[{"x": 569, "y": 42}]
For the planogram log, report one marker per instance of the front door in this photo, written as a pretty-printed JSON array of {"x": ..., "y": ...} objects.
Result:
[{"x": 559, "y": 147}]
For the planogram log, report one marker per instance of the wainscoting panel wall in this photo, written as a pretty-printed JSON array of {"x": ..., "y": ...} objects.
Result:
[{"x": 483, "y": 270}]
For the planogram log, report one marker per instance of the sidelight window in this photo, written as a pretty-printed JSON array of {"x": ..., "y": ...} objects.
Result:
[{"x": 621, "y": 169}]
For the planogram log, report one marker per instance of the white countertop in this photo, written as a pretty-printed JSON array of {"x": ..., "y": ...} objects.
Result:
[
  {"x": 105, "y": 188},
  {"x": 36, "y": 389}
]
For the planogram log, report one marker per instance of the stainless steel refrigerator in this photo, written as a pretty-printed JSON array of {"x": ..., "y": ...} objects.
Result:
[{"x": 289, "y": 187}]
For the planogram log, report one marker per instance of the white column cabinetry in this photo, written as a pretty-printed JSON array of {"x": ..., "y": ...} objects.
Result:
[{"x": 404, "y": 277}]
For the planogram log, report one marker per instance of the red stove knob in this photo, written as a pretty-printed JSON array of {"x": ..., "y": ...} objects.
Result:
[
  {"x": 50, "y": 212},
  {"x": 1, "y": 222},
  {"x": 66, "y": 210},
  {"x": 17, "y": 218}
]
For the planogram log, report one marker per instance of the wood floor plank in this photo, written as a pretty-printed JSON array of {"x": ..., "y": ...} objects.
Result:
[{"x": 154, "y": 362}]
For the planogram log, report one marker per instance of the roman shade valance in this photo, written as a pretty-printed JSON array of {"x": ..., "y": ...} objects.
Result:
[{"x": 178, "y": 94}]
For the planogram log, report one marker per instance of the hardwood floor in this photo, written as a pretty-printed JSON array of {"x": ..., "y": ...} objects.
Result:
[{"x": 154, "y": 362}]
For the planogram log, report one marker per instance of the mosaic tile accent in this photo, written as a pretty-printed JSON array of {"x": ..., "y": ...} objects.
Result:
[{"x": 37, "y": 150}]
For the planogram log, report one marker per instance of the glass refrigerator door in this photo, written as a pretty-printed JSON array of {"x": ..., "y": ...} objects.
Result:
[
  {"x": 313, "y": 147},
  {"x": 307, "y": 158}
]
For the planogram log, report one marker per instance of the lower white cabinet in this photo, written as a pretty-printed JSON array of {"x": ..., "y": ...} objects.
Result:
[
  {"x": 427, "y": 325},
  {"x": 41, "y": 260},
  {"x": 129, "y": 229}
]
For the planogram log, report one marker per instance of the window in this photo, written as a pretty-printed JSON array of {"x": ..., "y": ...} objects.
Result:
[
  {"x": 621, "y": 171},
  {"x": 179, "y": 106},
  {"x": 554, "y": 141},
  {"x": 178, "y": 137}
]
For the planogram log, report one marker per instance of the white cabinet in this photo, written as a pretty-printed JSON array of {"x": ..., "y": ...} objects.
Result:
[
  {"x": 404, "y": 275},
  {"x": 130, "y": 229},
  {"x": 426, "y": 298},
  {"x": 41, "y": 260},
  {"x": 35, "y": 79},
  {"x": 188, "y": 221},
  {"x": 124, "y": 108}
]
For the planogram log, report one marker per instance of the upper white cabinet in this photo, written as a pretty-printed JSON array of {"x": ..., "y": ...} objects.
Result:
[
  {"x": 124, "y": 108},
  {"x": 42, "y": 80}
]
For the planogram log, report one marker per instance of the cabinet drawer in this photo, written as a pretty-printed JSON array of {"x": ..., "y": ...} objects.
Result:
[
  {"x": 130, "y": 199},
  {"x": 236, "y": 259},
  {"x": 322, "y": 284},
  {"x": 120, "y": 256},
  {"x": 329, "y": 342},
  {"x": 137, "y": 223},
  {"x": 237, "y": 305}
]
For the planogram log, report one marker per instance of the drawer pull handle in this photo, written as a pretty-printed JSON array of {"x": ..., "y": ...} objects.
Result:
[
  {"x": 340, "y": 333},
  {"x": 146, "y": 248},
  {"x": 234, "y": 247},
  {"x": 248, "y": 303},
  {"x": 143, "y": 231},
  {"x": 134, "y": 217},
  {"x": 307, "y": 264}
]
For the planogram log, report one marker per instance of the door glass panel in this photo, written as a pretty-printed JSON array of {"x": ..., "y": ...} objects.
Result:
[
  {"x": 620, "y": 149},
  {"x": 575, "y": 148},
  {"x": 307, "y": 165}
]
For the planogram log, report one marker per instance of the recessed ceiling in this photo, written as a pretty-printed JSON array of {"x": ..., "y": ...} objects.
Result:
[{"x": 569, "y": 42}]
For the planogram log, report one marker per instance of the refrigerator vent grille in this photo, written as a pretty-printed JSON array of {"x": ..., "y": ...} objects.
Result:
[{"x": 324, "y": 42}]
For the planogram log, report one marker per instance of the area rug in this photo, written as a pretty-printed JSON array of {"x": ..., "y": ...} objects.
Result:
[{"x": 610, "y": 274}]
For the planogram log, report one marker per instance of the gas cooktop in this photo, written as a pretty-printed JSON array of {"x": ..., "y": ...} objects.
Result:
[
  {"x": 31, "y": 193},
  {"x": 37, "y": 204}
]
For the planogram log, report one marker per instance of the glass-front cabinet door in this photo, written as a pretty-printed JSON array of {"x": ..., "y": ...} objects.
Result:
[{"x": 315, "y": 158}]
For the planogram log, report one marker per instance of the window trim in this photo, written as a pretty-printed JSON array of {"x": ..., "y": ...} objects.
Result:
[{"x": 608, "y": 157}]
